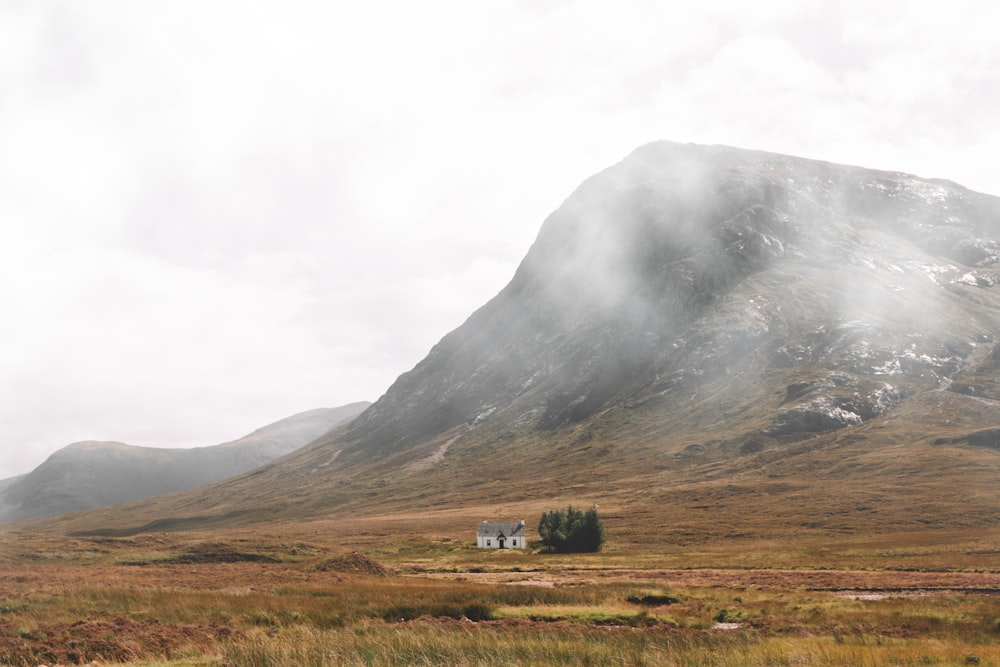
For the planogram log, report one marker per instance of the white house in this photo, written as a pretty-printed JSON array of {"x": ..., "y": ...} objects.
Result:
[{"x": 501, "y": 535}]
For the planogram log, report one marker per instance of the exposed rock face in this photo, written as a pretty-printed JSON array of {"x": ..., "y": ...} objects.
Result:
[
  {"x": 981, "y": 379},
  {"x": 91, "y": 474},
  {"x": 687, "y": 265},
  {"x": 836, "y": 401}
]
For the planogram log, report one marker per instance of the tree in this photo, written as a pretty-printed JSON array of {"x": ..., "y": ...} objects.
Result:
[{"x": 571, "y": 531}]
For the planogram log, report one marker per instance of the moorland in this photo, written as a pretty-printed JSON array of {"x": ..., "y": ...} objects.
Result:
[{"x": 414, "y": 590}]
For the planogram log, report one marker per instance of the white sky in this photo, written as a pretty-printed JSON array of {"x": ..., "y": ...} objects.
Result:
[{"x": 217, "y": 214}]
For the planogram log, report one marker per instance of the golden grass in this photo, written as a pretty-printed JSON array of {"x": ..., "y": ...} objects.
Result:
[
  {"x": 430, "y": 644},
  {"x": 134, "y": 600},
  {"x": 67, "y": 600}
]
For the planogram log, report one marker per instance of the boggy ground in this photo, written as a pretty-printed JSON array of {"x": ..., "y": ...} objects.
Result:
[{"x": 299, "y": 598}]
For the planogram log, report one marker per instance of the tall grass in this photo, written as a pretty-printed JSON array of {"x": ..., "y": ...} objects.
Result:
[
  {"x": 432, "y": 643},
  {"x": 292, "y": 615}
]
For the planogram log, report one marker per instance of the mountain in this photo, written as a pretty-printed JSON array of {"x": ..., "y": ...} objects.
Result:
[
  {"x": 705, "y": 340},
  {"x": 90, "y": 474}
]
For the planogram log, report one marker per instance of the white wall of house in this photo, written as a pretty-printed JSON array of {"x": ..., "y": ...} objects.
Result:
[
  {"x": 493, "y": 542},
  {"x": 487, "y": 536}
]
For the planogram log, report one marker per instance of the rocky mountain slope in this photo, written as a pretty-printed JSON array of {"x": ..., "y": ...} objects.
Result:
[
  {"x": 697, "y": 328},
  {"x": 685, "y": 264},
  {"x": 92, "y": 474}
]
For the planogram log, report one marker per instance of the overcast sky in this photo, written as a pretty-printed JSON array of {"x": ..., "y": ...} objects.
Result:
[{"x": 214, "y": 215}]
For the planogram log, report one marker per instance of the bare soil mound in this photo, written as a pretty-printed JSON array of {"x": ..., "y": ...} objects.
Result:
[
  {"x": 353, "y": 563},
  {"x": 218, "y": 552}
]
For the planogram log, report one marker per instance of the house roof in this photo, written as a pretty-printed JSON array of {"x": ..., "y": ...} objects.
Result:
[{"x": 488, "y": 529}]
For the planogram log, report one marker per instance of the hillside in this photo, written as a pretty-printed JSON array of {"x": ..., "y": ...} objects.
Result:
[
  {"x": 705, "y": 340},
  {"x": 90, "y": 474}
]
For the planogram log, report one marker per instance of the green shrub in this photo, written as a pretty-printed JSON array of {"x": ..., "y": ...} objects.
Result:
[{"x": 571, "y": 531}]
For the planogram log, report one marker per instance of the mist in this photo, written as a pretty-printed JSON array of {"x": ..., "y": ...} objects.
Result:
[
  {"x": 214, "y": 218},
  {"x": 702, "y": 273}
]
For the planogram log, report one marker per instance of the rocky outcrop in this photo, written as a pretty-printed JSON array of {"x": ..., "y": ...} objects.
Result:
[
  {"x": 836, "y": 401},
  {"x": 982, "y": 377}
]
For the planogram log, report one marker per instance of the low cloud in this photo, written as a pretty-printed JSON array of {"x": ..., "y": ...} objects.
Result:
[{"x": 215, "y": 216}]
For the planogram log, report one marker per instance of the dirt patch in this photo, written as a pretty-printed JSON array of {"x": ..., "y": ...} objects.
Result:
[
  {"x": 218, "y": 552},
  {"x": 333, "y": 457},
  {"x": 886, "y": 594},
  {"x": 726, "y": 625},
  {"x": 353, "y": 563},
  {"x": 436, "y": 457},
  {"x": 653, "y": 600},
  {"x": 119, "y": 640}
]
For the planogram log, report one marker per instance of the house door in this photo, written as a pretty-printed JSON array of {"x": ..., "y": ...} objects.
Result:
[{"x": 503, "y": 542}]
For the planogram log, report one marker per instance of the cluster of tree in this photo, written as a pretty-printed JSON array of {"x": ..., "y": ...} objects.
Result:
[{"x": 571, "y": 531}]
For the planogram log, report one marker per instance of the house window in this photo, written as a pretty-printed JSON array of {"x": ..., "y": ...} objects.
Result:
[
  {"x": 489, "y": 543},
  {"x": 514, "y": 543}
]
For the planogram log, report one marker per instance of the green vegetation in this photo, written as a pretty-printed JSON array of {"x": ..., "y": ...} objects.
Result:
[{"x": 571, "y": 531}]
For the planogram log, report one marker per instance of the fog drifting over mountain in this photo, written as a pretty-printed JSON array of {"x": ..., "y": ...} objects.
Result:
[{"x": 213, "y": 216}]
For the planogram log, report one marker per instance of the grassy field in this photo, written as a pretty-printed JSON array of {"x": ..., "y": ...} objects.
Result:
[{"x": 377, "y": 597}]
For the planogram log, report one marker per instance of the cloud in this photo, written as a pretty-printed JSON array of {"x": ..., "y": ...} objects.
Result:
[{"x": 214, "y": 215}]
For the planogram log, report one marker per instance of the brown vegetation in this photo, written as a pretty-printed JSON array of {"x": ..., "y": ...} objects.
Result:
[
  {"x": 353, "y": 563},
  {"x": 318, "y": 598}
]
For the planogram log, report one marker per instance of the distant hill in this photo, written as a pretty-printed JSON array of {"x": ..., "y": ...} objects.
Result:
[
  {"x": 91, "y": 474},
  {"x": 705, "y": 340}
]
